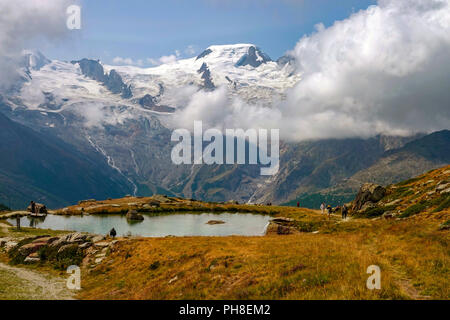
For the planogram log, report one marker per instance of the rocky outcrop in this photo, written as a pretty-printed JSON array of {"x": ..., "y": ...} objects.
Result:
[
  {"x": 204, "y": 54},
  {"x": 113, "y": 81},
  {"x": 74, "y": 248},
  {"x": 281, "y": 226},
  {"x": 133, "y": 215},
  {"x": 254, "y": 57},
  {"x": 206, "y": 77},
  {"x": 368, "y": 196},
  {"x": 39, "y": 208}
]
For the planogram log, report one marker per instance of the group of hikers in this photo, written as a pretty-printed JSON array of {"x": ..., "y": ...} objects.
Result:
[{"x": 330, "y": 210}]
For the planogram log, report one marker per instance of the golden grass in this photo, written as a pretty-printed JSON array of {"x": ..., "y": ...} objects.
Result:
[{"x": 413, "y": 256}]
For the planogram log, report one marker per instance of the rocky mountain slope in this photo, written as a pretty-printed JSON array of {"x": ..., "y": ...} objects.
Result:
[
  {"x": 427, "y": 195},
  {"x": 119, "y": 115},
  {"x": 44, "y": 168}
]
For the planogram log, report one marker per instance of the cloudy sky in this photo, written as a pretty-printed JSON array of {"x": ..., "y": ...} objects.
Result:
[
  {"x": 140, "y": 30},
  {"x": 366, "y": 69}
]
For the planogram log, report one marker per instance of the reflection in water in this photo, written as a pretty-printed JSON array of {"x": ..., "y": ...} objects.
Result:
[
  {"x": 157, "y": 226},
  {"x": 34, "y": 221}
]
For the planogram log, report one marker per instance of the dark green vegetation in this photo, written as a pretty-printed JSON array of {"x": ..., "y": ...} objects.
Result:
[
  {"x": 313, "y": 201},
  {"x": 71, "y": 255},
  {"x": 4, "y": 208}
]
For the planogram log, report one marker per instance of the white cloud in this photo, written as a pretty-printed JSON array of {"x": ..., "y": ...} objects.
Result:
[
  {"x": 25, "y": 20},
  {"x": 128, "y": 61},
  {"x": 383, "y": 70},
  {"x": 191, "y": 50},
  {"x": 163, "y": 60}
]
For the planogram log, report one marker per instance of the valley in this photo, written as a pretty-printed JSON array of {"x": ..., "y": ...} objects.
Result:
[{"x": 304, "y": 255}]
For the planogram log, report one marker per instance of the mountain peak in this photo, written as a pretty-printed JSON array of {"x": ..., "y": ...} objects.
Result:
[{"x": 241, "y": 54}]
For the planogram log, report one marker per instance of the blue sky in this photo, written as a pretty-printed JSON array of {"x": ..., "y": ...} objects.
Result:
[{"x": 141, "y": 29}]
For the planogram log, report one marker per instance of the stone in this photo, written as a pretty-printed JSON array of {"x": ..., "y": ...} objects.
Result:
[
  {"x": 442, "y": 186},
  {"x": 45, "y": 240},
  {"x": 445, "y": 191},
  {"x": 389, "y": 215},
  {"x": 78, "y": 237},
  {"x": 282, "y": 220},
  {"x": 213, "y": 222},
  {"x": 173, "y": 279},
  {"x": 10, "y": 245},
  {"x": 98, "y": 238},
  {"x": 101, "y": 244},
  {"x": 39, "y": 208},
  {"x": 29, "y": 248},
  {"x": 67, "y": 247},
  {"x": 98, "y": 260},
  {"x": 369, "y": 192},
  {"x": 392, "y": 203},
  {"x": 134, "y": 215},
  {"x": 85, "y": 245},
  {"x": 32, "y": 260},
  {"x": 4, "y": 241}
]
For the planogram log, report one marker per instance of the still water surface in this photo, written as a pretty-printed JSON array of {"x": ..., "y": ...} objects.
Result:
[{"x": 156, "y": 226}]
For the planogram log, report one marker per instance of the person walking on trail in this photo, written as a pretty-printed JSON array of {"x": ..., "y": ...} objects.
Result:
[
  {"x": 344, "y": 212},
  {"x": 330, "y": 210},
  {"x": 298, "y": 204},
  {"x": 322, "y": 208}
]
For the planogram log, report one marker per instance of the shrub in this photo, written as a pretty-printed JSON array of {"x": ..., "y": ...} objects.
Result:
[
  {"x": 445, "y": 203},
  {"x": 72, "y": 255},
  {"x": 376, "y": 212},
  {"x": 415, "y": 209},
  {"x": 16, "y": 255}
]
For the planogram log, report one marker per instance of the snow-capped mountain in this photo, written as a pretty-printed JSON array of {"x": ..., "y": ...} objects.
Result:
[
  {"x": 245, "y": 69},
  {"x": 119, "y": 114}
]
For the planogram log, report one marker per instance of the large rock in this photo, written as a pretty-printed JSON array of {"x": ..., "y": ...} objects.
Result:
[
  {"x": 134, "y": 216},
  {"x": 40, "y": 208},
  {"x": 369, "y": 193}
]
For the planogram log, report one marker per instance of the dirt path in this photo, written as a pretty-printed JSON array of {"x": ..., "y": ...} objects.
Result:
[{"x": 24, "y": 284}]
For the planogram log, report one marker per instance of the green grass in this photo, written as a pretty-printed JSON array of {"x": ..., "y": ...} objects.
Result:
[
  {"x": 13, "y": 288},
  {"x": 416, "y": 208},
  {"x": 443, "y": 205}
]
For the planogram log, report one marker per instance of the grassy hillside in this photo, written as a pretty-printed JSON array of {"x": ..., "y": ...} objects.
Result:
[
  {"x": 331, "y": 264},
  {"x": 326, "y": 259},
  {"x": 426, "y": 195}
]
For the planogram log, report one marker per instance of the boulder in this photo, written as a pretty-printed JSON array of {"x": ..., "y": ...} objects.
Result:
[
  {"x": 31, "y": 260},
  {"x": 45, "y": 240},
  {"x": 30, "y": 248},
  {"x": 134, "y": 216},
  {"x": 76, "y": 237},
  {"x": 40, "y": 208},
  {"x": 389, "y": 215},
  {"x": 67, "y": 248},
  {"x": 369, "y": 192},
  {"x": 212, "y": 222},
  {"x": 9, "y": 245},
  {"x": 98, "y": 238}
]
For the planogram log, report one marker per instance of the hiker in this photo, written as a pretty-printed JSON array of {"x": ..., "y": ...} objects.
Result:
[
  {"x": 322, "y": 208},
  {"x": 344, "y": 212},
  {"x": 298, "y": 204},
  {"x": 113, "y": 233},
  {"x": 330, "y": 210},
  {"x": 33, "y": 207}
]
